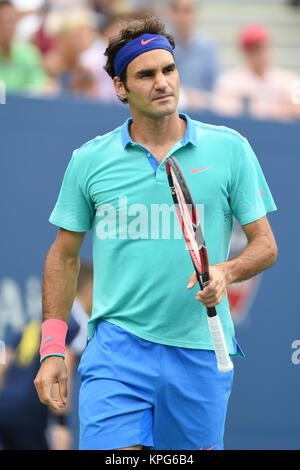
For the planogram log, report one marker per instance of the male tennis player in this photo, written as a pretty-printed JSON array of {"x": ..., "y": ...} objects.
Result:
[{"x": 149, "y": 373}]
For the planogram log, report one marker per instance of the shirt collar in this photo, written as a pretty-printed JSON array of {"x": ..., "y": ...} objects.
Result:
[{"x": 188, "y": 138}]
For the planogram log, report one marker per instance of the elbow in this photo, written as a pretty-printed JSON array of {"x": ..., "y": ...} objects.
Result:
[{"x": 273, "y": 254}]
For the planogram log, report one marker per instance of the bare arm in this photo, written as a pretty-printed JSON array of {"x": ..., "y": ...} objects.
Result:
[
  {"x": 259, "y": 254},
  {"x": 60, "y": 275},
  {"x": 59, "y": 289}
]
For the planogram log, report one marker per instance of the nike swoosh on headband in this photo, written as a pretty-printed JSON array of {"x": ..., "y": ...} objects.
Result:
[{"x": 143, "y": 42}]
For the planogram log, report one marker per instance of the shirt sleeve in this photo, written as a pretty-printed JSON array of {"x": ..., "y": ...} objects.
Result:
[
  {"x": 74, "y": 209},
  {"x": 249, "y": 195}
]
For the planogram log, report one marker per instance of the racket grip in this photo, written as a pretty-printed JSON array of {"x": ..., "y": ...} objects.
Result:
[
  {"x": 211, "y": 311},
  {"x": 218, "y": 339}
]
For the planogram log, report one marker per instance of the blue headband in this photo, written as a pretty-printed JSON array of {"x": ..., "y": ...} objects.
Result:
[{"x": 146, "y": 42}]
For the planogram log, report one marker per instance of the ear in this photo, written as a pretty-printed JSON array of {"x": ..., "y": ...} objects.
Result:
[{"x": 120, "y": 88}]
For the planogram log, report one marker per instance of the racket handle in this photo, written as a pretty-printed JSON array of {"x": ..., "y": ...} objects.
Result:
[
  {"x": 218, "y": 339},
  {"x": 211, "y": 311}
]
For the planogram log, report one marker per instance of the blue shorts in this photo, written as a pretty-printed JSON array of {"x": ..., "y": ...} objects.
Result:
[{"x": 139, "y": 392}]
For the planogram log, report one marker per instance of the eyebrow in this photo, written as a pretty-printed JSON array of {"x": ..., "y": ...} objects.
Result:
[{"x": 142, "y": 72}]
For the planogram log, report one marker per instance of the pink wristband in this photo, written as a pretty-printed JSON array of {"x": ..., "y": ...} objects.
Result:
[{"x": 53, "y": 338}]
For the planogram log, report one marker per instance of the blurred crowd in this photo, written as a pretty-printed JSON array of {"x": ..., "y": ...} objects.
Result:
[
  {"x": 56, "y": 47},
  {"x": 25, "y": 423}
]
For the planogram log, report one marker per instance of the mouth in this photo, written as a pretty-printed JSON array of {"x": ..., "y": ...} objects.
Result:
[{"x": 162, "y": 98}]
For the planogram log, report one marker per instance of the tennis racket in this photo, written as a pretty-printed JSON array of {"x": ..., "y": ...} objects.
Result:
[{"x": 193, "y": 235}]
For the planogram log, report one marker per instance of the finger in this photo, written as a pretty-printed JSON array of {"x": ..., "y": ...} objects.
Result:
[
  {"x": 38, "y": 392},
  {"x": 209, "y": 300},
  {"x": 209, "y": 303},
  {"x": 54, "y": 401},
  {"x": 192, "y": 281},
  {"x": 63, "y": 389},
  {"x": 55, "y": 405},
  {"x": 209, "y": 296},
  {"x": 56, "y": 395},
  {"x": 44, "y": 392},
  {"x": 38, "y": 383},
  {"x": 208, "y": 291},
  {"x": 213, "y": 283}
]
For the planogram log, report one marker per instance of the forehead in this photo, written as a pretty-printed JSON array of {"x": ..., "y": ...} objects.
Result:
[
  {"x": 183, "y": 4},
  {"x": 155, "y": 59},
  {"x": 257, "y": 49}
]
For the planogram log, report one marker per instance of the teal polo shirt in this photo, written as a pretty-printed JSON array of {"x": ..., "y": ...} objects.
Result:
[{"x": 116, "y": 188}]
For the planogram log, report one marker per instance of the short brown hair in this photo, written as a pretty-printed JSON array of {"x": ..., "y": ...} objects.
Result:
[{"x": 131, "y": 30}]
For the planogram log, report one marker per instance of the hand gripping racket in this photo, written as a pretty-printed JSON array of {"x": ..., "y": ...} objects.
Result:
[{"x": 193, "y": 235}]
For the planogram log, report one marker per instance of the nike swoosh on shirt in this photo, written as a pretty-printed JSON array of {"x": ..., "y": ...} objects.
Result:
[
  {"x": 143, "y": 42},
  {"x": 193, "y": 170}
]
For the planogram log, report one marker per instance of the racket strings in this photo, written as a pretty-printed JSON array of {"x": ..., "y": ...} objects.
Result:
[
  {"x": 191, "y": 228},
  {"x": 187, "y": 223}
]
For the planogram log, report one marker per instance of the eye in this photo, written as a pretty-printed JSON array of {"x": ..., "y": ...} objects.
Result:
[
  {"x": 169, "y": 69},
  {"x": 146, "y": 74}
]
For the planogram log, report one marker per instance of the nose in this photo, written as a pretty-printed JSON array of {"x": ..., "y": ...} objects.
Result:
[{"x": 160, "y": 81}]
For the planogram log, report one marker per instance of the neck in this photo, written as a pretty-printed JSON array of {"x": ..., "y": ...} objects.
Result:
[
  {"x": 157, "y": 132},
  {"x": 257, "y": 70}
]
